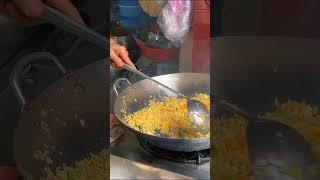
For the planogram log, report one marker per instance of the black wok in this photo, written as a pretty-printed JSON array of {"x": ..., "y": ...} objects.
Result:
[
  {"x": 137, "y": 96},
  {"x": 67, "y": 119},
  {"x": 252, "y": 71}
]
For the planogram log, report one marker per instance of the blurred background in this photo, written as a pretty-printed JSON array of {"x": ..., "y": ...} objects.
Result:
[
  {"x": 19, "y": 40},
  {"x": 264, "y": 50}
]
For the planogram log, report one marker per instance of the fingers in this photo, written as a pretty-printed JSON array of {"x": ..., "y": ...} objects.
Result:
[
  {"x": 34, "y": 9},
  {"x": 119, "y": 55},
  {"x": 114, "y": 65},
  {"x": 125, "y": 57},
  {"x": 30, "y": 8},
  {"x": 13, "y": 11},
  {"x": 6, "y": 9},
  {"x": 116, "y": 59},
  {"x": 3, "y": 10},
  {"x": 67, "y": 8}
]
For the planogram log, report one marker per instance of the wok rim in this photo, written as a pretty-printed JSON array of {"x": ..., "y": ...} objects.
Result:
[{"x": 155, "y": 136}]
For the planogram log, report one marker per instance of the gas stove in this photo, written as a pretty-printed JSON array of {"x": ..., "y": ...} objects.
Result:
[
  {"x": 129, "y": 147},
  {"x": 195, "y": 157}
]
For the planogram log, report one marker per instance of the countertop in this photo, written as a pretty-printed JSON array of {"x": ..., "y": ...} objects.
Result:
[{"x": 125, "y": 169}]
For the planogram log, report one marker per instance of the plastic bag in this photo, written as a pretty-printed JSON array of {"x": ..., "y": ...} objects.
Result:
[
  {"x": 153, "y": 8},
  {"x": 174, "y": 19}
]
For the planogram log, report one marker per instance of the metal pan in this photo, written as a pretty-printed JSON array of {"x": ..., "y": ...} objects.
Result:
[
  {"x": 137, "y": 95},
  {"x": 251, "y": 72},
  {"x": 67, "y": 119}
]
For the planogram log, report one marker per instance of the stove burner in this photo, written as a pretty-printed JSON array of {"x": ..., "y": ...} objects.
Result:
[{"x": 195, "y": 157}]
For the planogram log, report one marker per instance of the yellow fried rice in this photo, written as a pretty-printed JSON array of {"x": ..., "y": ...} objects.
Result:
[{"x": 168, "y": 117}]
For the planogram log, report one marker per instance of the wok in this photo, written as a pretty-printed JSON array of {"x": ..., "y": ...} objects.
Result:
[
  {"x": 251, "y": 72},
  {"x": 67, "y": 119},
  {"x": 137, "y": 96}
]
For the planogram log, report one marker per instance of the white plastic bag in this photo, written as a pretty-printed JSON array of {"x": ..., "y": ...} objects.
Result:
[{"x": 174, "y": 19}]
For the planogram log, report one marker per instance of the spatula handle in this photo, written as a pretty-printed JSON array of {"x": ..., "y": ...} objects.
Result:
[
  {"x": 129, "y": 68},
  {"x": 58, "y": 19}
]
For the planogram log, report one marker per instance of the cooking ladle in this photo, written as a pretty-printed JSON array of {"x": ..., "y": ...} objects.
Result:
[
  {"x": 198, "y": 113},
  {"x": 274, "y": 143}
]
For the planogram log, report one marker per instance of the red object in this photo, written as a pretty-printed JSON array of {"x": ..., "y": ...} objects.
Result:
[
  {"x": 8, "y": 173},
  {"x": 157, "y": 54},
  {"x": 112, "y": 119},
  {"x": 201, "y": 37}
]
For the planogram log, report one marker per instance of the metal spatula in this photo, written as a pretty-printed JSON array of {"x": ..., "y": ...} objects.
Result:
[{"x": 58, "y": 19}]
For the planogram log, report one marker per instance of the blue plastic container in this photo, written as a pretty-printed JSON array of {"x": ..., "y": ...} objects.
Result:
[
  {"x": 129, "y": 11},
  {"x": 139, "y": 22},
  {"x": 128, "y": 2}
]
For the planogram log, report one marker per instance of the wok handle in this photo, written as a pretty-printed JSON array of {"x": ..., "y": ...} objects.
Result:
[
  {"x": 20, "y": 66},
  {"x": 116, "y": 84}
]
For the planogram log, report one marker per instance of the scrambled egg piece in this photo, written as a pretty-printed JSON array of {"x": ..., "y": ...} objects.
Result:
[
  {"x": 168, "y": 118},
  {"x": 230, "y": 152},
  {"x": 94, "y": 167}
]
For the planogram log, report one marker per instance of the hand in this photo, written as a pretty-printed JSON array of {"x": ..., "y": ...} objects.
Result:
[
  {"x": 119, "y": 55},
  {"x": 26, "y": 11}
]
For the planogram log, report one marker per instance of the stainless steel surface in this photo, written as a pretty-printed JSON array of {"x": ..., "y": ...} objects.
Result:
[
  {"x": 59, "y": 19},
  {"x": 137, "y": 96},
  {"x": 198, "y": 113},
  {"x": 289, "y": 150},
  {"x": 128, "y": 147},
  {"x": 117, "y": 83},
  {"x": 121, "y": 168}
]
